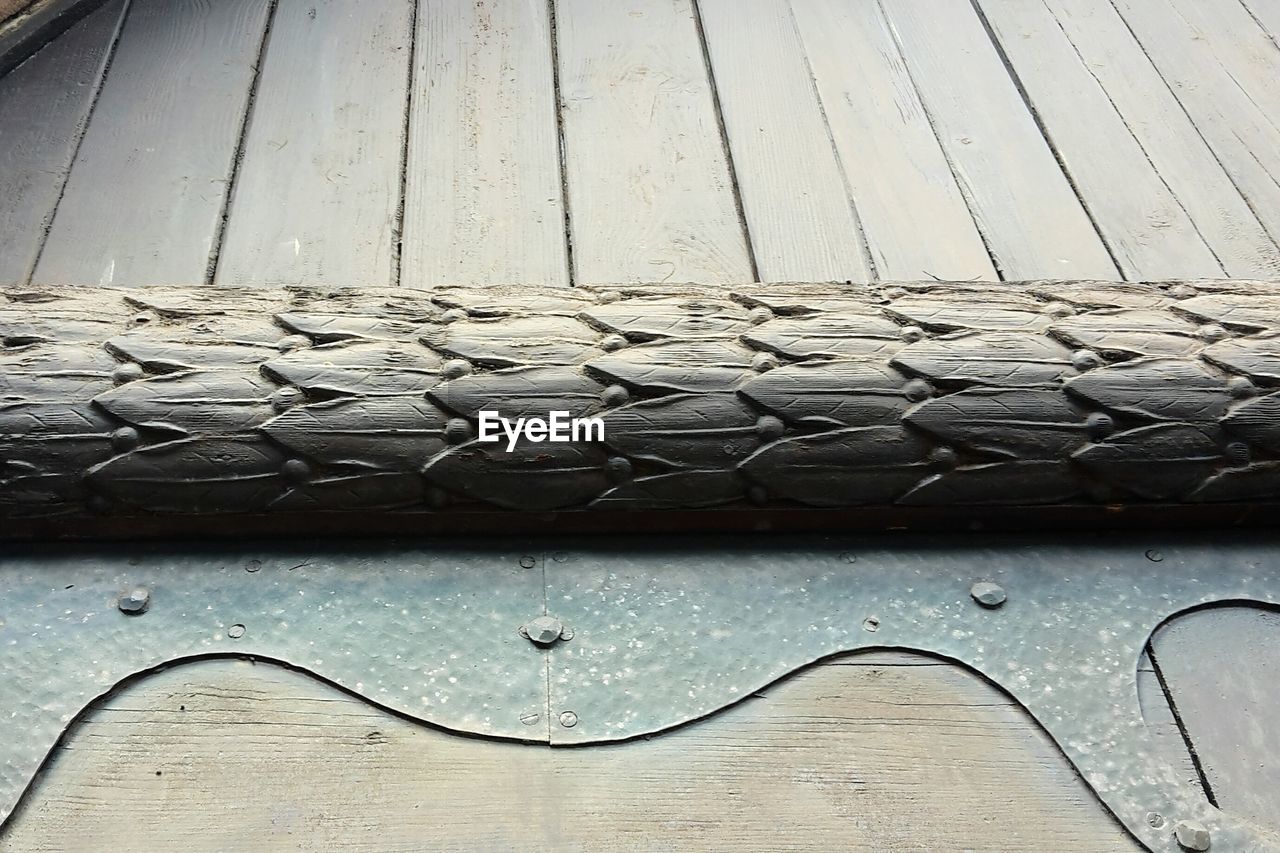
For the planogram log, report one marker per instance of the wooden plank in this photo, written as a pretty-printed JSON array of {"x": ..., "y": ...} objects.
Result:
[
  {"x": 318, "y": 191},
  {"x": 1242, "y": 136},
  {"x": 1110, "y": 54},
  {"x": 144, "y": 200},
  {"x": 914, "y": 215},
  {"x": 651, "y": 196},
  {"x": 484, "y": 201},
  {"x": 1243, "y": 47},
  {"x": 1145, "y": 224},
  {"x": 1025, "y": 207},
  {"x": 794, "y": 193},
  {"x": 879, "y": 752},
  {"x": 1267, "y": 14},
  {"x": 44, "y": 106},
  {"x": 1222, "y": 667}
]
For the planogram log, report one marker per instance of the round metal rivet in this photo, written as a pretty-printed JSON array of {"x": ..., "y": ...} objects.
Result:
[
  {"x": 1211, "y": 333},
  {"x": 1182, "y": 291},
  {"x": 568, "y": 719},
  {"x": 613, "y": 343},
  {"x": 457, "y": 431},
  {"x": 135, "y": 602},
  {"x": 617, "y": 469},
  {"x": 127, "y": 373},
  {"x": 1058, "y": 309},
  {"x": 453, "y": 315},
  {"x": 607, "y": 296},
  {"x": 286, "y": 398},
  {"x": 988, "y": 594},
  {"x": 1085, "y": 359},
  {"x": 760, "y": 314},
  {"x": 543, "y": 631},
  {"x": 615, "y": 395},
  {"x": 917, "y": 390},
  {"x": 124, "y": 439},
  {"x": 1099, "y": 426},
  {"x": 296, "y": 470},
  {"x": 455, "y": 368},
  {"x": 871, "y": 623},
  {"x": 527, "y": 562},
  {"x": 1155, "y": 820},
  {"x": 770, "y": 428},
  {"x": 1240, "y": 387},
  {"x": 253, "y": 566},
  {"x": 763, "y": 362},
  {"x": 1154, "y": 556},
  {"x": 236, "y": 631},
  {"x": 911, "y": 334},
  {"x": 944, "y": 457},
  {"x": 560, "y": 556},
  {"x": 293, "y": 342}
]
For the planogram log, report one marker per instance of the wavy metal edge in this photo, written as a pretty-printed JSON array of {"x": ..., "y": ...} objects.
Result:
[{"x": 661, "y": 634}]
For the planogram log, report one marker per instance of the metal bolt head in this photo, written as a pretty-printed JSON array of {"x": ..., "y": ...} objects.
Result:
[
  {"x": 544, "y": 630},
  {"x": 1191, "y": 835},
  {"x": 530, "y": 718},
  {"x": 988, "y": 594},
  {"x": 135, "y": 602},
  {"x": 568, "y": 719}
]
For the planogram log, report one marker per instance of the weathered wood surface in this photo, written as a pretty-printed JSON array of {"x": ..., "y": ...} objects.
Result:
[
  {"x": 59, "y": 84},
  {"x": 483, "y": 198},
  {"x": 897, "y": 168},
  {"x": 876, "y": 752},
  {"x": 650, "y": 189},
  {"x": 316, "y": 200},
  {"x": 144, "y": 201},
  {"x": 797, "y": 203},
  {"x": 1027, "y": 210},
  {"x": 1222, "y": 669},
  {"x": 163, "y": 400}
]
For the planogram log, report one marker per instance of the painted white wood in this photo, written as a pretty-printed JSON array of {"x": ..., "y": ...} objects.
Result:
[
  {"x": 1243, "y": 137},
  {"x": 1033, "y": 222},
  {"x": 1144, "y": 222},
  {"x": 1243, "y": 47},
  {"x": 317, "y": 196},
  {"x": 1110, "y": 55},
  {"x": 44, "y": 107},
  {"x": 794, "y": 194},
  {"x": 915, "y": 218},
  {"x": 484, "y": 201},
  {"x": 1267, "y": 14},
  {"x": 143, "y": 204},
  {"x": 651, "y": 195}
]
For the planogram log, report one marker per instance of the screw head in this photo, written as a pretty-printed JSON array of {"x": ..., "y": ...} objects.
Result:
[
  {"x": 236, "y": 631},
  {"x": 528, "y": 561},
  {"x": 988, "y": 594},
  {"x": 135, "y": 602},
  {"x": 530, "y": 718},
  {"x": 871, "y": 624},
  {"x": 544, "y": 631},
  {"x": 568, "y": 719},
  {"x": 1192, "y": 835}
]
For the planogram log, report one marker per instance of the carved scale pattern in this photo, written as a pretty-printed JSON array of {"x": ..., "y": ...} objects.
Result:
[{"x": 171, "y": 400}]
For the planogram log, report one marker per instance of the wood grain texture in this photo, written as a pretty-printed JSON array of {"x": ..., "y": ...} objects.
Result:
[
  {"x": 1024, "y": 205},
  {"x": 651, "y": 196},
  {"x": 317, "y": 195},
  {"x": 44, "y": 107},
  {"x": 1109, "y": 53},
  {"x": 1222, "y": 668},
  {"x": 898, "y": 171},
  {"x": 876, "y": 752},
  {"x": 484, "y": 201},
  {"x": 1242, "y": 135},
  {"x": 144, "y": 200},
  {"x": 1144, "y": 222},
  {"x": 794, "y": 192},
  {"x": 1267, "y": 14}
]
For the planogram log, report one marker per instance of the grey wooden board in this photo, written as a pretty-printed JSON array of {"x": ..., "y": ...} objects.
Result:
[
  {"x": 1222, "y": 667},
  {"x": 144, "y": 199},
  {"x": 1026, "y": 208},
  {"x": 316, "y": 200},
  {"x": 1109, "y": 53},
  {"x": 1144, "y": 222},
  {"x": 1267, "y": 14},
  {"x": 1164, "y": 726},
  {"x": 484, "y": 201},
  {"x": 899, "y": 175},
  {"x": 794, "y": 193},
  {"x": 651, "y": 195},
  {"x": 878, "y": 752},
  {"x": 44, "y": 106},
  {"x": 1242, "y": 135}
]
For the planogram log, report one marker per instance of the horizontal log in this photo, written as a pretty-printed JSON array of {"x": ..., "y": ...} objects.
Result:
[{"x": 931, "y": 397}]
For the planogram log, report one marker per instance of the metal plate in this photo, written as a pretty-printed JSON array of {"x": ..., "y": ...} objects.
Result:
[
  {"x": 657, "y": 635},
  {"x": 427, "y": 633}
]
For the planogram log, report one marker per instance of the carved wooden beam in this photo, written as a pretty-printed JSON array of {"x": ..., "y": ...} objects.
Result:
[{"x": 168, "y": 402}]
